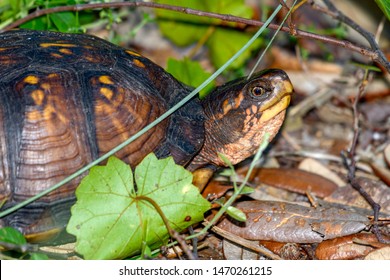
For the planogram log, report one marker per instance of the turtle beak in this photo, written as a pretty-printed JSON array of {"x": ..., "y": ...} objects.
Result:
[{"x": 283, "y": 90}]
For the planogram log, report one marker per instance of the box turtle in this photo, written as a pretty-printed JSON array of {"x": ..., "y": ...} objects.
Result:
[{"x": 65, "y": 99}]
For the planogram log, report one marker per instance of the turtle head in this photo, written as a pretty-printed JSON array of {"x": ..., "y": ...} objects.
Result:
[{"x": 239, "y": 113}]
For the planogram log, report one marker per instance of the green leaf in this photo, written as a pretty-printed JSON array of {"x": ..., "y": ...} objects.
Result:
[
  {"x": 190, "y": 73},
  {"x": 113, "y": 219},
  {"x": 236, "y": 214},
  {"x": 385, "y": 7},
  {"x": 367, "y": 67},
  {"x": 64, "y": 21},
  {"x": 11, "y": 235},
  {"x": 247, "y": 190},
  {"x": 225, "y": 43},
  {"x": 38, "y": 256},
  {"x": 184, "y": 30}
]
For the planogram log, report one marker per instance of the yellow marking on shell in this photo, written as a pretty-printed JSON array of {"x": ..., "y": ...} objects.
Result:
[
  {"x": 106, "y": 80},
  {"x": 108, "y": 93},
  {"x": 138, "y": 63},
  {"x": 62, "y": 45},
  {"x": 56, "y": 55},
  {"x": 38, "y": 96},
  {"x": 133, "y": 53},
  {"x": 275, "y": 109},
  {"x": 45, "y": 86},
  {"x": 53, "y": 75},
  {"x": 65, "y": 51},
  {"x": 46, "y": 114},
  {"x": 90, "y": 58},
  {"x": 4, "y": 49},
  {"x": 31, "y": 79}
]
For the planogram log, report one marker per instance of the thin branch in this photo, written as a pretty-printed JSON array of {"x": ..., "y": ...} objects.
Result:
[
  {"x": 351, "y": 156},
  {"x": 338, "y": 15},
  {"x": 375, "y": 54}
]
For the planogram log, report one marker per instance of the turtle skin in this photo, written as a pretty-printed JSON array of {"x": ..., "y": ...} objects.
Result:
[{"x": 66, "y": 99}]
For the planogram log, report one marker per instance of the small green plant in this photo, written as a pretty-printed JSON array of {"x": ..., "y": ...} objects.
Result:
[
  {"x": 15, "y": 246},
  {"x": 118, "y": 216}
]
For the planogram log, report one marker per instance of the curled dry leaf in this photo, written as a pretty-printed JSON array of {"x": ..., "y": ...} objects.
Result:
[
  {"x": 294, "y": 180},
  {"x": 379, "y": 192},
  {"x": 233, "y": 251},
  {"x": 314, "y": 166},
  {"x": 382, "y": 173},
  {"x": 379, "y": 254},
  {"x": 387, "y": 154},
  {"x": 216, "y": 189},
  {"x": 344, "y": 248},
  {"x": 286, "y": 222}
]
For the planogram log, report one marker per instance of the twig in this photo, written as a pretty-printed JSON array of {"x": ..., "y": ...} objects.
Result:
[
  {"x": 351, "y": 165},
  {"x": 376, "y": 54},
  {"x": 244, "y": 242},
  {"x": 173, "y": 233},
  {"x": 338, "y": 15}
]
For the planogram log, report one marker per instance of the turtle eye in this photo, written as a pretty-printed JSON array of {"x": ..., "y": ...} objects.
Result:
[{"x": 257, "y": 91}]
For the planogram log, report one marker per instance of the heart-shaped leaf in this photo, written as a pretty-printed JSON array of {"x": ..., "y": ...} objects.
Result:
[{"x": 114, "y": 219}]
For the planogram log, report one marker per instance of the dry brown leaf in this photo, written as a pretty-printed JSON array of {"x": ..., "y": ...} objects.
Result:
[
  {"x": 379, "y": 192},
  {"x": 387, "y": 154},
  {"x": 314, "y": 166},
  {"x": 286, "y": 222},
  {"x": 379, "y": 254},
  {"x": 295, "y": 180},
  {"x": 344, "y": 248},
  {"x": 216, "y": 189},
  {"x": 382, "y": 173},
  {"x": 233, "y": 251}
]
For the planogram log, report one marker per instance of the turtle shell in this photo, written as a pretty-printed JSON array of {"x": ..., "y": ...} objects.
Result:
[{"x": 66, "y": 99}]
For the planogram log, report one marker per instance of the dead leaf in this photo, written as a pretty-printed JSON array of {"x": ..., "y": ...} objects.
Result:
[
  {"x": 379, "y": 192},
  {"x": 294, "y": 180},
  {"x": 233, "y": 251},
  {"x": 286, "y": 222},
  {"x": 379, "y": 254},
  {"x": 314, "y": 166},
  {"x": 381, "y": 172},
  {"x": 344, "y": 248},
  {"x": 387, "y": 154},
  {"x": 216, "y": 189}
]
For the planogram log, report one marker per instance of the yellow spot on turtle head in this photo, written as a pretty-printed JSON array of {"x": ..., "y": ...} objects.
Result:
[
  {"x": 132, "y": 53},
  {"x": 33, "y": 80},
  {"x": 254, "y": 109},
  {"x": 138, "y": 63},
  {"x": 275, "y": 109},
  {"x": 38, "y": 96},
  {"x": 226, "y": 106},
  {"x": 108, "y": 93},
  {"x": 238, "y": 100},
  {"x": 106, "y": 80}
]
